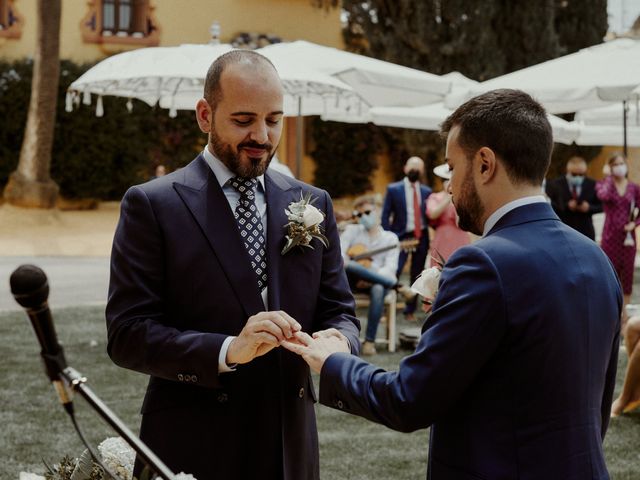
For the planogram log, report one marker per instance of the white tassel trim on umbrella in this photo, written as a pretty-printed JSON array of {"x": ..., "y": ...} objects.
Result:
[{"x": 99, "y": 107}]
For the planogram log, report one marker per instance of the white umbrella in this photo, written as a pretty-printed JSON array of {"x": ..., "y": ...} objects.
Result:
[
  {"x": 377, "y": 82},
  {"x": 173, "y": 78},
  {"x": 611, "y": 125},
  {"x": 313, "y": 77},
  {"x": 430, "y": 117},
  {"x": 592, "y": 77}
]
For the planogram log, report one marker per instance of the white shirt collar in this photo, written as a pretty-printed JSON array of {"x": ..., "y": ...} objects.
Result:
[
  {"x": 221, "y": 171},
  {"x": 409, "y": 185},
  {"x": 506, "y": 208}
]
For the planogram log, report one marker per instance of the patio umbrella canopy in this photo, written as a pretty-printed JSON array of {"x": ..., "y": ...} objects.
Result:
[
  {"x": 377, "y": 82},
  {"x": 593, "y": 77},
  {"x": 173, "y": 78}
]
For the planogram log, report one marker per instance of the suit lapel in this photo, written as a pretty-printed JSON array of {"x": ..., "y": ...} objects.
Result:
[
  {"x": 203, "y": 196},
  {"x": 279, "y": 194}
]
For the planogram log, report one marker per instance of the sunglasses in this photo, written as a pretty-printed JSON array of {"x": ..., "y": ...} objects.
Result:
[{"x": 360, "y": 214}]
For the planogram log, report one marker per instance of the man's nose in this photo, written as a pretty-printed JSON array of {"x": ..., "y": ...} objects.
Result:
[{"x": 260, "y": 132}]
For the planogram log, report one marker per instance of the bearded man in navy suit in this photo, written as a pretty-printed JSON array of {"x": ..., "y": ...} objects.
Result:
[
  {"x": 201, "y": 296},
  {"x": 516, "y": 365}
]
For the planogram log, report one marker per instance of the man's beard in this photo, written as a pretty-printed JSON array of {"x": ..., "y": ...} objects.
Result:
[
  {"x": 469, "y": 207},
  {"x": 255, "y": 167}
]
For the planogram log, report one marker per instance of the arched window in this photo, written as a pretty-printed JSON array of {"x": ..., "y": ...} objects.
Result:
[{"x": 10, "y": 20}]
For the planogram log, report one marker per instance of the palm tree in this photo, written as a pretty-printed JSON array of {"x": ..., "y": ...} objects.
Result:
[{"x": 30, "y": 185}]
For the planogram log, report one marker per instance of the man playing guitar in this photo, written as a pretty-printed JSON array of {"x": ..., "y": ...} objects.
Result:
[{"x": 370, "y": 256}]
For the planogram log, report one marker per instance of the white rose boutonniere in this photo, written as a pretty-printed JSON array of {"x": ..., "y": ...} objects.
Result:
[
  {"x": 428, "y": 281},
  {"x": 304, "y": 224}
]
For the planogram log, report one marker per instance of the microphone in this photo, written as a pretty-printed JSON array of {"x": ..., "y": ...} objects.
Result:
[{"x": 30, "y": 288}]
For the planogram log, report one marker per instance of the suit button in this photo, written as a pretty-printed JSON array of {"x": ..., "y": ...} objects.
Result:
[
  {"x": 301, "y": 392},
  {"x": 180, "y": 377},
  {"x": 339, "y": 404},
  {"x": 194, "y": 378},
  {"x": 223, "y": 398}
]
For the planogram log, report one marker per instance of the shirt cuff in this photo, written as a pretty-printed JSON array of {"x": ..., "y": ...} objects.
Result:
[{"x": 222, "y": 357}]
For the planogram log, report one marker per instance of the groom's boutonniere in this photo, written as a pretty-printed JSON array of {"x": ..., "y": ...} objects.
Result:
[
  {"x": 428, "y": 281},
  {"x": 304, "y": 224}
]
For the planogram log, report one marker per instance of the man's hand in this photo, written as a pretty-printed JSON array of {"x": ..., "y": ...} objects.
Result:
[
  {"x": 263, "y": 332},
  {"x": 630, "y": 227},
  {"x": 584, "y": 206},
  {"x": 573, "y": 205},
  {"x": 315, "y": 350}
]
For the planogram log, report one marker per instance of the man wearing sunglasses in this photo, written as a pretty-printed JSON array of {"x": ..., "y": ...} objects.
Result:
[{"x": 375, "y": 273}]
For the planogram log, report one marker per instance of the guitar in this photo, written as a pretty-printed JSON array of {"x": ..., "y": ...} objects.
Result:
[{"x": 360, "y": 254}]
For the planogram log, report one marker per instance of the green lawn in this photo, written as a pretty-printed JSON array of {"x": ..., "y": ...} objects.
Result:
[{"x": 34, "y": 426}]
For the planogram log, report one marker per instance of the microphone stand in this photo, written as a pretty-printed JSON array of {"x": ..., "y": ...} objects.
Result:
[{"x": 77, "y": 383}]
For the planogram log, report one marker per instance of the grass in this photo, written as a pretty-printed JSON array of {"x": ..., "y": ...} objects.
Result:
[{"x": 34, "y": 426}]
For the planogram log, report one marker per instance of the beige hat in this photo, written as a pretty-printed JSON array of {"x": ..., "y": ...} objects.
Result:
[{"x": 442, "y": 171}]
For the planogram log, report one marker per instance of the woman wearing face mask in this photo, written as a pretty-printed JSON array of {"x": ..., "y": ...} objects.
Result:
[
  {"x": 443, "y": 217},
  {"x": 620, "y": 197},
  {"x": 375, "y": 272}
]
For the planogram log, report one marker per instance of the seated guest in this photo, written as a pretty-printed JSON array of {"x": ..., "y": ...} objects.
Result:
[
  {"x": 629, "y": 398},
  {"x": 370, "y": 256},
  {"x": 573, "y": 197}
]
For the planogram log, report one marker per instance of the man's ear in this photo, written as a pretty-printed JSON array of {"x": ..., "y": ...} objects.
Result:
[
  {"x": 204, "y": 115},
  {"x": 487, "y": 161}
]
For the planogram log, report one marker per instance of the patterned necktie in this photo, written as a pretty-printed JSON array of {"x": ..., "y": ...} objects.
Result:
[
  {"x": 250, "y": 226},
  {"x": 417, "y": 227}
]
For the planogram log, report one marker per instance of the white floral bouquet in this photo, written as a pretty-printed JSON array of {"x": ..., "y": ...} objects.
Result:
[
  {"x": 428, "y": 282},
  {"x": 116, "y": 454}
]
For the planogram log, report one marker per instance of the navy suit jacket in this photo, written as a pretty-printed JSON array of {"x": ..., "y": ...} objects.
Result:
[
  {"x": 181, "y": 282},
  {"x": 559, "y": 192},
  {"x": 516, "y": 365},
  {"x": 394, "y": 210}
]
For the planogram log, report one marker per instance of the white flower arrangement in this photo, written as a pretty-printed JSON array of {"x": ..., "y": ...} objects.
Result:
[
  {"x": 428, "y": 282},
  {"x": 304, "y": 224},
  {"x": 117, "y": 455}
]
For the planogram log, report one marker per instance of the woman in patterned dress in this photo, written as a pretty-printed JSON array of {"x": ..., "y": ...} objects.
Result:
[{"x": 620, "y": 197}]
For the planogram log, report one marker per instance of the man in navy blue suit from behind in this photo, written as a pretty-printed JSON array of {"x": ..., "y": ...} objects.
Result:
[{"x": 516, "y": 365}]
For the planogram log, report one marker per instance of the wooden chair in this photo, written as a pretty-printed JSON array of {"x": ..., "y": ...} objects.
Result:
[{"x": 389, "y": 313}]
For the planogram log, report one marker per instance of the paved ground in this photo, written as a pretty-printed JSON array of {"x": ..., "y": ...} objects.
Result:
[{"x": 72, "y": 247}]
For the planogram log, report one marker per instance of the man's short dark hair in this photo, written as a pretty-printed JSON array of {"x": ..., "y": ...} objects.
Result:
[
  {"x": 212, "y": 88},
  {"x": 510, "y": 123}
]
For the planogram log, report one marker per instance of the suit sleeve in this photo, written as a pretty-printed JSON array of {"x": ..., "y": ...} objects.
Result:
[
  {"x": 465, "y": 328},
  {"x": 140, "y": 336},
  {"x": 387, "y": 210},
  {"x": 595, "y": 205},
  {"x": 553, "y": 191},
  {"x": 335, "y": 306}
]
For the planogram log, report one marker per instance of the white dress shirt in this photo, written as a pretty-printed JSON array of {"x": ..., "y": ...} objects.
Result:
[
  {"x": 223, "y": 175},
  {"x": 408, "y": 195},
  {"x": 384, "y": 263}
]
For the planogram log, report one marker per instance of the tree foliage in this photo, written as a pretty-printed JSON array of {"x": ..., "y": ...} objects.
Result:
[
  {"x": 95, "y": 157},
  {"x": 481, "y": 39}
]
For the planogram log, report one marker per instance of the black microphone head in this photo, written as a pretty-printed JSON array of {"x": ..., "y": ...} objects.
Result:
[{"x": 29, "y": 286}]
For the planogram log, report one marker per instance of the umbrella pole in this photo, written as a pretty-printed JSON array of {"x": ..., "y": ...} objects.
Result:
[
  {"x": 624, "y": 126},
  {"x": 299, "y": 126}
]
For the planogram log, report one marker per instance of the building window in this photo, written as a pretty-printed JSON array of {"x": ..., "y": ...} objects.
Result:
[
  {"x": 10, "y": 20},
  {"x": 120, "y": 21}
]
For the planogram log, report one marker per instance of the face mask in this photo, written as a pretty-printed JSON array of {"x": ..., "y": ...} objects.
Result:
[
  {"x": 413, "y": 175},
  {"x": 575, "y": 180},
  {"x": 368, "y": 221},
  {"x": 619, "y": 170}
]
